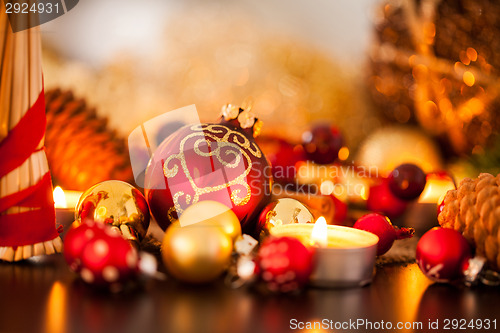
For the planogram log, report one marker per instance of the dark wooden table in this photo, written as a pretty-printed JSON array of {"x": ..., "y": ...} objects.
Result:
[{"x": 45, "y": 296}]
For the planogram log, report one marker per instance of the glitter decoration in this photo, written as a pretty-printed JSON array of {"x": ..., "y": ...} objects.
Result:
[
  {"x": 436, "y": 63},
  {"x": 217, "y": 56}
]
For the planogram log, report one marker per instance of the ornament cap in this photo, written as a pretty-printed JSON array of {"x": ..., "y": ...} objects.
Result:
[
  {"x": 241, "y": 117},
  {"x": 476, "y": 273},
  {"x": 474, "y": 268}
]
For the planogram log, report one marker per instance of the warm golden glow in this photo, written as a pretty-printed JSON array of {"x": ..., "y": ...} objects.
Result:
[
  {"x": 471, "y": 54},
  {"x": 55, "y": 320},
  {"x": 364, "y": 192},
  {"x": 435, "y": 189},
  {"x": 343, "y": 153},
  {"x": 101, "y": 212},
  {"x": 59, "y": 198},
  {"x": 327, "y": 187},
  {"x": 65, "y": 198},
  {"x": 414, "y": 283},
  {"x": 469, "y": 78},
  {"x": 319, "y": 234}
]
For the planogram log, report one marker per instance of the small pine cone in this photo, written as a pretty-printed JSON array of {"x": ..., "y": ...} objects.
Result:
[
  {"x": 474, "y": 210},
  {"x": 81, "y": 149}
]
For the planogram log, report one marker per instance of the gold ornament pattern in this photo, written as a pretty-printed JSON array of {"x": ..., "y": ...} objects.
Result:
[{"x": 232, "y": 143}]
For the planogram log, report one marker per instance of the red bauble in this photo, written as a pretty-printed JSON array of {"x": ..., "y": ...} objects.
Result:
[
  {"x": 76, "y": 239},
  {"x": 340, "y": 209},
  {"x": 108, "y": 260},
  {"x": 407, "y": 181},
  {"x": 283, "y": 157},
  {"x": 322, "y": 143},
  {"x": 285, "y": 264},
  {"x": 383, "y": 228},
  {"x": 443, "y": 254},
  {"x": 381, "y": 199},
  {"x": 219, "y": 162}
]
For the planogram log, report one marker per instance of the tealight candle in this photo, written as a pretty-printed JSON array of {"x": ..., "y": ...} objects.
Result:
[
  {"x": 345, "y": 257},
  {"x": 65, "y": 203}
]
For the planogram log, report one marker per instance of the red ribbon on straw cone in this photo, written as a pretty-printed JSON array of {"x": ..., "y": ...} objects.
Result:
[{"x": 27, "y": 216}]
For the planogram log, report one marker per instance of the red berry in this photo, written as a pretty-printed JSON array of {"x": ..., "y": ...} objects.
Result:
[
  {"x": 382, "y": 227},
  {"x": 407, "y": 181},
  {"x": 76, "y": 239},
  {"x": 322, "y": 144},
  {"x": 285, "y": 264},
  {"x": 108, "y": 260},
  {"x": 442, "y": 254}
]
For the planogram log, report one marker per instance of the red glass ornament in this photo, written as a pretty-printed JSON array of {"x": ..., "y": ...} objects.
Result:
[
  {"x": 283, "y": 157},
  {"x": 382, "y": 227},
  {"x": 407, "y": 181},
  {"x": 108, "y": 260},
  {"x": 219, "y": 162},
  {"x": 76, "y": 239},
  {"x": 443, "y": 254},
  {"x": 285, "y": 264},
  {"x": 322, "y": 143},
  {"x": 340, "y": 209},
  {"x": 382, "y": 200}
]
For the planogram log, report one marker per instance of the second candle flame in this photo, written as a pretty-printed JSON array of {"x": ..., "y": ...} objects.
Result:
[{"x": 59, "y": 198}]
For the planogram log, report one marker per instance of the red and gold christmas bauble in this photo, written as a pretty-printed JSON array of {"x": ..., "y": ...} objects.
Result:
[{"x": 219, "y": 162}]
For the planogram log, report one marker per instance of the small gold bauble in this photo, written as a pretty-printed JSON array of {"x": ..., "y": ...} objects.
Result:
[
  {"x": 117, "y": 204},
  {"x": 196, "y": 253},
  {"x": 212, "y": 213}
]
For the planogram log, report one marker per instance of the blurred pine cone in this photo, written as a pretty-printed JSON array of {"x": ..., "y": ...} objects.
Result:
[
  {"x": 474, "y": 210},
  {"x": 81, "y": 149}
]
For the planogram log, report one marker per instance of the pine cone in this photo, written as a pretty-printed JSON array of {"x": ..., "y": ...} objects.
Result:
[
  {"x": 474, "y": 210},
  {"x": 81, "y": 149}
]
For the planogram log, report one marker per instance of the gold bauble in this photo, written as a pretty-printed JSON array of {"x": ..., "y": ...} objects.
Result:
[
  {"x": 212, "y": 213},
  {"x": 391, "y": 146},
  {"x": 196, "y": 253},
  {"x": 117, "y": 204}
]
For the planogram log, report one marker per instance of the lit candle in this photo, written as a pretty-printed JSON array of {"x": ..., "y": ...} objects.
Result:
[
  {"x": 344, "y": 257},
  {"x": 65, "y": 203},
  {"x": 422, "y": 214},
  {"x": 436, "y": 186}
]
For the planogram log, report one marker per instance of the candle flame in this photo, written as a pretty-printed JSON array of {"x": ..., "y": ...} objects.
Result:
[
  {"x": 319, "y": 233},
  {"x": 59, "y": 198}
]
